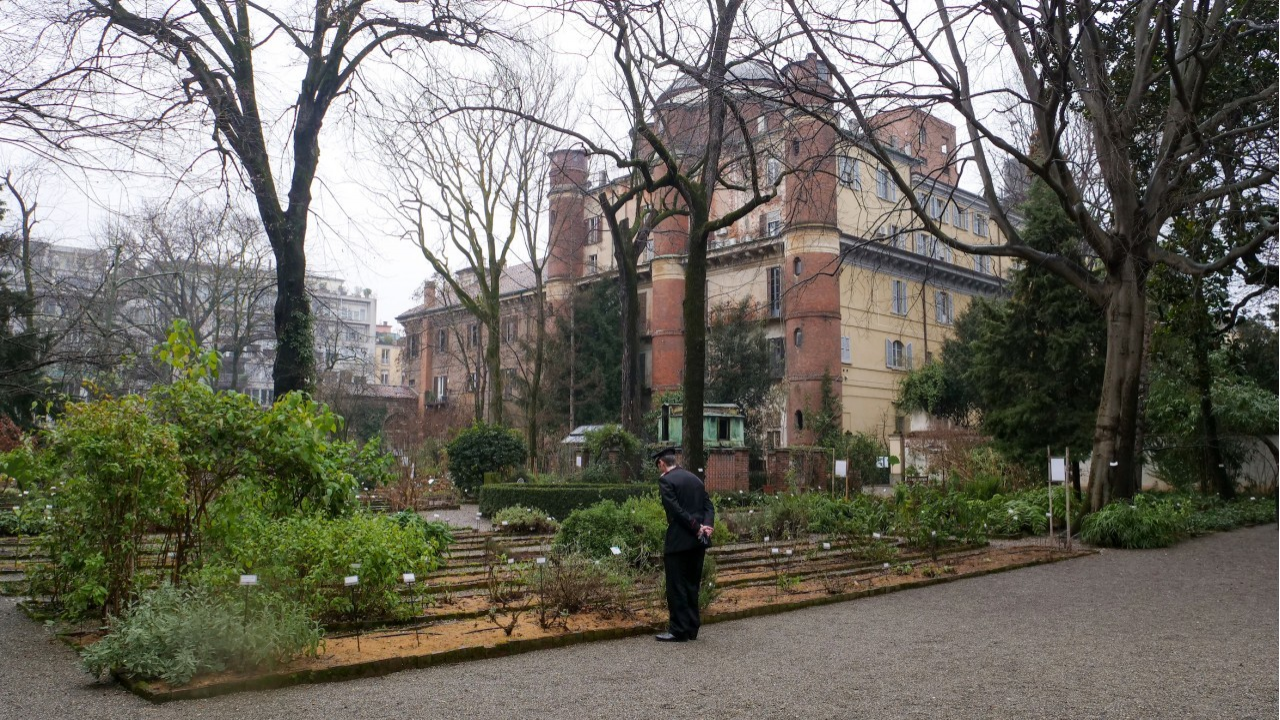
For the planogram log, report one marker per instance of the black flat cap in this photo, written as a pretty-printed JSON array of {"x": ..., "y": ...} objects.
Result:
[{"x": 664, "y": 451}]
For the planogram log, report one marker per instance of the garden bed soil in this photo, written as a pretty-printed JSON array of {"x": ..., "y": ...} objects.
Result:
[{"x": 380, "y": 652}]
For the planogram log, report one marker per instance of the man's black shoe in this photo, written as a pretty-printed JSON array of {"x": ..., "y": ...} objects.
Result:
[{"x": 668, "y": 637}]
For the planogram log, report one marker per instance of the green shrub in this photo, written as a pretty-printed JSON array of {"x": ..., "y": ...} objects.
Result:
[
  {"x": 1150, "y": 522},
  {"x": 731, "y": 500},
  {"x": 482, "y": 449},
  {"x": 756, "y": 480},
  {"x": 306, "y": 559},
  {"x": 594, "y": 530},
  {"x": 176, "y": 634},
  {"x": 516, "y": 519},
  {"x": 637, "y": 526},
  {"x": 437, "y": 534},
  {"x": 555, "y": 500},
  {"x": 29, "y": 518},
  {"x": 927, "y": 515},
  {"x": 614, "y": 447},
  {"x": 121, "y": 479}
]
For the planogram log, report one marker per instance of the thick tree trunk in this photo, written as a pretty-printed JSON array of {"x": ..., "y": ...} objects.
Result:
[
  {"x": 695, "y": 347},
  {"x": 294, "y": 368},
  {"x": 493, "y": 366},
  {"x": 628, "y": 288},
  {"x": 1114, "y": 464}
]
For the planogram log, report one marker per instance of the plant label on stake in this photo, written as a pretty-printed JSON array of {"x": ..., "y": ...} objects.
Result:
[
  {"x": 351, "y": 580},
  {"x": 826, "y": 546},
  {"x": 615, "y": 550},
  {"x": 409, "y": 578},
  {"x": 248, "y": 579}
]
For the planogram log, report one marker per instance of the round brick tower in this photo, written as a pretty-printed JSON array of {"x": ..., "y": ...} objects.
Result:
[
  {"x": 567, "y": 222},
  {"x": 666, "y": 321},
  {"x": 811, "y": 271}
]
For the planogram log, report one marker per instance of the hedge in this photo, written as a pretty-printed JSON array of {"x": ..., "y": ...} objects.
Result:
[{"x": 555, "y": 500}]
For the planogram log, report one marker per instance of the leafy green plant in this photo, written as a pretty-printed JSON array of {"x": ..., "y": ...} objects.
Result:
[
  {"x": 482, "y": 449},
  {"x": 121, "y": 478},
  {"x": 175, "y": 634},
  {"x": 306, "y": 559},
  {"x": 517, "y": 519},
  {"x": 615, "y": 448},
  {"x": 556, "y": 500},
  {"x": 1150, "y": 522}
]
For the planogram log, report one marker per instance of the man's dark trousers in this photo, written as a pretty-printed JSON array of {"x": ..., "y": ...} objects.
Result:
[{"x": 684, "y": 576}]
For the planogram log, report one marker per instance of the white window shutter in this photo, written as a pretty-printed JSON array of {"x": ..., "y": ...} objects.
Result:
[
  {"x": 909, "y": 365},
  {"x": 888, "y": 353}
]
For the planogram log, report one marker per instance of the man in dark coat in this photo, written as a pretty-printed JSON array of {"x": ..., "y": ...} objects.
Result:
[{"x": 690, "y": 522}]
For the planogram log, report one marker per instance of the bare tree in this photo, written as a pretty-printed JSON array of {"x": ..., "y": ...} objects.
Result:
[
  {"x": 687, "y": 148},
  {"x": 208, "y": 266},
  {"x": 1179, "y": 112},
  {"x": 205, "y": 55},
  {"x": 479, "y": 176}
]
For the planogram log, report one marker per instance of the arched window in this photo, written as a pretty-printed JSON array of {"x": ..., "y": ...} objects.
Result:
[
  {"x": 798, "y": 264},
  {"x": 798, "y": 337},
  {"x": 799, "y": 420}
]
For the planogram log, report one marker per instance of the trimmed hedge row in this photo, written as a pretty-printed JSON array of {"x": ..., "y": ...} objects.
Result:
[{"x": 555, "y": 500}]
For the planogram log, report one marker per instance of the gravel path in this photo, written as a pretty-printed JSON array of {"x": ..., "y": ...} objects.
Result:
[
  {"x": 464, "y": 516},
  {"x": 1189, "y": 632}
]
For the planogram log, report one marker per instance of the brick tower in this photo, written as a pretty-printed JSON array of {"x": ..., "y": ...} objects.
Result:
[
  {"x": 567, "y": 222},
  {"x": 811, "y": 239}
]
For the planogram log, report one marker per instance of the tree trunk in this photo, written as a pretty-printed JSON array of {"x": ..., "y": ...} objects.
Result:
[
  {"x": 1114, "y": 463},
  {"x": 628, "y": 288},
  {"x": 294, "y": 368},
  {"x": 695, "y": 347},
  {"x": 493, "y": 366},
  {"x": 1222, "y": 482},
  {"x": 534, "y": 404}
]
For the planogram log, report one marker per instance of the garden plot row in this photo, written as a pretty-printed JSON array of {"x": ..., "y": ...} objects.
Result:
[{"x": 743, "y": 565}]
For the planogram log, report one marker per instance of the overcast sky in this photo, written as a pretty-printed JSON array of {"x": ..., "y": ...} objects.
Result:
[{"x": 352, "y": 233}]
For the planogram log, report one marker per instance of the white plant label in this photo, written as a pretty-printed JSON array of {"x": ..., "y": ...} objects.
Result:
[
  {"x": 505, "y": 523},
  {"x": 248, "y": 579},
  {"x": 1057, "y": 470},
  {"x": 774, "y": 551},
  {"x": 351, "y": 580},
  {"x": 431, "y": 481},
  {"x": 355, "y": 566},
  {"x": 615, "y": 550},
  {"x": 875, "y": 536},
  {"x": 541, "y": 561},
  {"x": 788, "y": 551},
  {"x": 766, "y": 538},
  {"x": 409, "y": 578},
  {"x": 826, "y": 546},
  {"x": 511, "y": 561}
]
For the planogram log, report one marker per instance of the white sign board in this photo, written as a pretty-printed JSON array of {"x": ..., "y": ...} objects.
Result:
[
  {"x": 351, "y": 580},
  {"x": 882, "y": 461},
  {"x": 1057, "y": 470},
  {"x": 409, "y": 578},
  {"x": 248, "y": 579},
  {"x": 577, "y": 460},
  {"x": 842, "y": 468}
]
